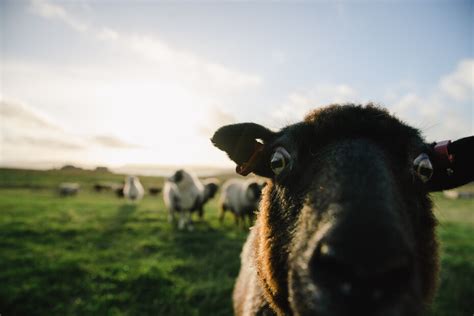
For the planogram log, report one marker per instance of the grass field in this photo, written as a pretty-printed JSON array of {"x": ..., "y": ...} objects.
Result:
[{"x": 94, "y": 254}]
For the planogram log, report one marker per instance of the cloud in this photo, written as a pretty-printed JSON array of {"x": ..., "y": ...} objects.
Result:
[
  {"x": 183, "y": 62},
  {"x": 300, "y": 103},
  {"x": 107, "y": 34},
  {"x": 113, "y": 142},
  {"x": 446, "y": 112},
  {"x": 49, "y": 10},
  {"x": 24, "y": 115},
  {"x": 216, "y": 118},
  {"x": 443, "y": 113},
  {"x": 23, "y": 125},
  {"x": 48, "y": 141},
  {"x": 29, "y": 134},
  {"x": 459, "y": 85},
  {"x": 178, "y": 65}
]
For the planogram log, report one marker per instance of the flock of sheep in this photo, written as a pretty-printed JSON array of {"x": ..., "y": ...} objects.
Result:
[{"x": 185, "y": 194}]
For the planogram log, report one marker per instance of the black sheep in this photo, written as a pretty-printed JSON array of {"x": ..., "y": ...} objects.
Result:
[{"x": 345, "y": 225}]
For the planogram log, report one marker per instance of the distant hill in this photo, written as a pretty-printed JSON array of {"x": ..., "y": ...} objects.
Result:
[
  {"x": 166, "y": 171},
  {"x": 102, "y": 169},
  {"x": 44, "y": 179},
  {"x": 70, "y": 167}
]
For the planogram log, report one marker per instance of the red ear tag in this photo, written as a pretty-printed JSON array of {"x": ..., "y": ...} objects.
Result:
[
  {"x": 247, "y": 167},
  {"x": 443, "y": 157}
]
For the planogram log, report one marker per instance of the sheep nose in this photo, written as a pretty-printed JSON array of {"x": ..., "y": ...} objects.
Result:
[{"x": 349, "y": 276}]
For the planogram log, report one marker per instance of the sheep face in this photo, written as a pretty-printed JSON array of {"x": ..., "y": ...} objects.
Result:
[
  {"x": 181, "y": 178},
  {"x": 345, "y": 227},
  {"x": 352, "y": 233}
]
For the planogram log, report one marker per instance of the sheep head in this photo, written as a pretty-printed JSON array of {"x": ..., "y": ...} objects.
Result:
[
  {"x": 345, "y": 224},
  {"x": 211, "y": 186},
  {"x": 182, "y": 179}
]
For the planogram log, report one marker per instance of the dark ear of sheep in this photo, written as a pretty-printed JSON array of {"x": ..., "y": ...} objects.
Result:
[
  {"x": 211, "y": 189},
  {"x": 239, "y": 141},
  {"x": 457, "y": 171}
]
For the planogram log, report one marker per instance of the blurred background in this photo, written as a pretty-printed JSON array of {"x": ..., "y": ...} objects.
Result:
[{"x": 91, "y": 91}]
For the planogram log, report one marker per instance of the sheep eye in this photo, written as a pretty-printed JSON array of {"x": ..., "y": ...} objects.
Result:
[
  {"x": 423, "y": 167},
  {"x": 280, "y": 160}
]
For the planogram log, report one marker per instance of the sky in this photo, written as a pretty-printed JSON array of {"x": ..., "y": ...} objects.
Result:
[{"x": 135, "y": 82}]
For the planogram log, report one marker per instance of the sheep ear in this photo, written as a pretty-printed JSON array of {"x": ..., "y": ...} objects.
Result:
[
  {"x": 453, "y": 164},
  {"x": 240, "y": 142}
]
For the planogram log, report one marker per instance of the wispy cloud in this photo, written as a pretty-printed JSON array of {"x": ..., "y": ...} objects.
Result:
[
  {"x": 50, "y": 10},
  {"x": 32, "y": 141},
  {"x": 440, "y": 114},
  {"x": 445, "y": 112},
  {"x": 459, "y": 85},
  {"x": 25, "y": 116},
  {"x": 27, "y": 134},
  {"x": 301, "y": 102},
  {"x": 24, "y": 126},
  {"x": 217, "y": 117},
  {"x": 137, "y": 95},
  {"x": 177, "y": 64},
  {"x": 113, "y": 142},
  {"x": 183, "y": 62}
]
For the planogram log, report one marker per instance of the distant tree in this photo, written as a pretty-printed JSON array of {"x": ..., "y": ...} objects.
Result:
[
  {"x": 102, "y": 169},
  {"x": 70, "y": 167}
]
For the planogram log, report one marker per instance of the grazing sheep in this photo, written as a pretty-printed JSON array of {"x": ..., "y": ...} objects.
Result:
[
  {"x": 154, "y": 191},
  {"x": 118, "y": 189},
  {"x": 133, "y": 189},
  {"x": 99, "y": 187},
  {"x": 345, "y": 225},
  {"x": 184, "y": 193},
  {"x": 241, "y": 198},
  {"x": 454, "y": 195},
  {"x": 211, "y": 186},
  {"x": 68, "y": 189}
]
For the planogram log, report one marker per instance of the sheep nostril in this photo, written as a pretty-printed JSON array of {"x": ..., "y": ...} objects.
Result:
[
  {"x": 375, "y": 279},
  {"x": 328, "y": 267},
  {"x": 392, "y": 275}
]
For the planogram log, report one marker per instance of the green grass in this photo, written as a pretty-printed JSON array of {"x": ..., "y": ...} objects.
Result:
[
  {"x": 456, "y": 234},
  {"x": 94, "y": 254}
]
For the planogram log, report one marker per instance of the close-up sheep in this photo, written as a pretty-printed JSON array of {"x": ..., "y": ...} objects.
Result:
[
  {"x": 217, "y": 158},
  {"x": 345, "y": 225},
  {"x": 241, "y": 198}
]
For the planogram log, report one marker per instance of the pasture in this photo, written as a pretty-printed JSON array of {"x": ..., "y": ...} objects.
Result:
[{"x": 96, "y": 254}]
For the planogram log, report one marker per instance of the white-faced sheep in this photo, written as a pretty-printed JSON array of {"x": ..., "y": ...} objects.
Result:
[
  {"x": 241, "y": 198},
  {"x": 184, "y": 193},
  {"x": 133, "y": 189},
  {"x": 345, "y": 225},
  {"x": 68, "y": 189}
]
